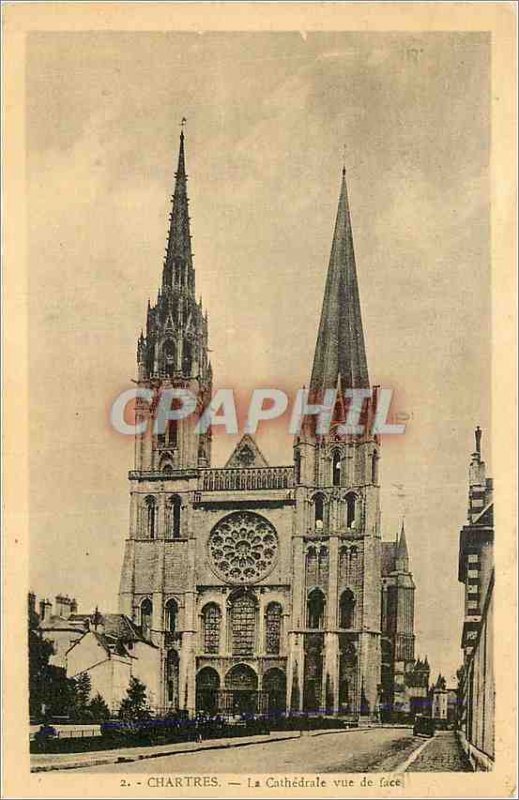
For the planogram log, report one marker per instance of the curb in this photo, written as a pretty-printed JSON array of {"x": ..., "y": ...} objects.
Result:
[
  {"x": 143, "y": 756},
  {"x": 127, "y": 759}
]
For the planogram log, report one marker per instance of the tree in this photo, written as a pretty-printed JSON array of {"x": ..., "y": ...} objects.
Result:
[
  {"x": 83, "y": 689},
  {"x": 99, "y": 710},
  {"x": 80, "y": 688},
  {"x": 49, "y": 689},
  {"x": 135, "y": 705},
  {"x": 40, "y": 650}
]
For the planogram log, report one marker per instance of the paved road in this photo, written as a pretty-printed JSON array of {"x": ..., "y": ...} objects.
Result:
[
  {"x": 443, "y": 754},
  {"x": 377, "y": 750}
]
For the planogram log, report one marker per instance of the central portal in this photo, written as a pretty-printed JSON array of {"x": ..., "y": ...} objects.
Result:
[{"x": 242, "y": 684}]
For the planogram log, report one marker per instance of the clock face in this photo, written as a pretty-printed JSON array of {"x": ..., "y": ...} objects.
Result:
[{"x": 243, "y": 547}]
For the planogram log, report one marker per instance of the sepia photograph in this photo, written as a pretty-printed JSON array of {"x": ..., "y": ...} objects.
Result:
[{"x": 258, "y": 348}]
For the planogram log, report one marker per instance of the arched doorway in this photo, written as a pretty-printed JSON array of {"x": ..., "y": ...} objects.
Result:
[
  {"x": 207, "y": 686},
  {"x": 275, "y": 686},
  {"x": 242, "y": 682}
]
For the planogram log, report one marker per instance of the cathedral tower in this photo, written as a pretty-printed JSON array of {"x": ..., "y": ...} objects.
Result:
[
  {"x": 171, "y": 355},
  {"x": 337, "y": 584}
]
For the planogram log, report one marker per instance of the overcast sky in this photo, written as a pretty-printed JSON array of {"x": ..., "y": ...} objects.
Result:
[{"x": 269, "y": 116}]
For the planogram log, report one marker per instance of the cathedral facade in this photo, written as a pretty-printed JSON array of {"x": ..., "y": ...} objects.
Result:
[{"x": 263, "y": 587}]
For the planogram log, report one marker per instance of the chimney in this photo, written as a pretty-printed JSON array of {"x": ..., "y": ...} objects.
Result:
[
  {"x": 477, "y": 479},
  {"x": 477, "y": 434},
  {"x": 73, "y": 606},
  {"x": 31, "y": 599},
  {"x": 45, "y": 610},
  {"x": 62, "y": 606},
  {"x": 95, "y": 622}
]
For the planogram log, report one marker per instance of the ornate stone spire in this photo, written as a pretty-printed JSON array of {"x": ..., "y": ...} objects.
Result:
[
  {"x": 340, "y": 342},
  {"x": 178, "y": 264},
  {"x": 174, "y": 344},
  {"x": 402, "y": 553}
]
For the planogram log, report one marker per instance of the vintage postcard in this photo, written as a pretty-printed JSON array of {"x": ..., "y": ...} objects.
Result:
[{"x": 259, "y": 399}]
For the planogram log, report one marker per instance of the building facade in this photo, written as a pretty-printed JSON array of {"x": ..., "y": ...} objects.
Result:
[
  {"x": 111, "y": 651},
  {"x": 58, "y": 623},
  {"x": 444, "y": 704},
  {"x": 261, "y": 586},
  {"x": 476, "y": 573},
  {"x": 401, "y": 674}
]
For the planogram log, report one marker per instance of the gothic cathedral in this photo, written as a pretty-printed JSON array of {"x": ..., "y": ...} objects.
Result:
[{"x": 265, "y": 588}]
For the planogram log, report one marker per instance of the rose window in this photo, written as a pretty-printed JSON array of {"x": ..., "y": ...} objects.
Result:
[{"x": 243, "y": 547}]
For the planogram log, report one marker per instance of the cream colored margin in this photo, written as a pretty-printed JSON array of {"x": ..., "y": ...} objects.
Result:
[{"x": 18, "y": 19}]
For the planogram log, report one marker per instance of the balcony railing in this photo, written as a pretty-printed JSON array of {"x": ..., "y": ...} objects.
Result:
[{"x": 246, "y": 479}]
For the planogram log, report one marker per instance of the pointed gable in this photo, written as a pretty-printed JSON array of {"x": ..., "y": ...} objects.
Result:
[
  {"x": 340, "y": 347},
  {"x": 246, "y": 454}
]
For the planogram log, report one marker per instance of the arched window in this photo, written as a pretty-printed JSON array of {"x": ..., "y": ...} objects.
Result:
[
  {"x": 351, "y": 501},
  {"x": 315, "y": 609},
  {"x": 311, "y": 567},
  {"x": 346, "y": 609},
  {"x": 187, "y": 358},
  {"x": 151, "y": 516},
  {"x": 146, "y": 618},
  {"x": 273, "y": 629},
  {"x": 243, "y": 624},
  {"x": 336, "y": 468},
  {"x": 171, "y": 616},
  {"x": 344, "y": 564},
  {"x": 211, "y": 621},
  {"x": 169, "y": 353},
  {"x": 174, "y": 515},
  {"x": 319, "y": 510},
  {"x": 172, "y": 433},
  {"x": 323, "y": 566}
]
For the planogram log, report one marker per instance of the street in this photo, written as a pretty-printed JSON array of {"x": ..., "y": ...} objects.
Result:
[{"x": 369, "y": 750}]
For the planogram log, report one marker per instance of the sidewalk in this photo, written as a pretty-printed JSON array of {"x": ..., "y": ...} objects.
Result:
[
  {"x": 59, "y": 761},
  {"x": 441, "y": 754}
]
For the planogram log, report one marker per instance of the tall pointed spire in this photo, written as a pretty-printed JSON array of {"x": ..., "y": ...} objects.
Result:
[
  {"x": 178, "y": 264},
  {"x": 402, "y": 553},
  {"x": 340, "y": 342}
]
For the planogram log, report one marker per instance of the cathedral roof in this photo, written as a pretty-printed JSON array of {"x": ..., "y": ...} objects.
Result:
[
  {"x": 119, "y": 626},
  {"x": 58, "y": 623},
  {"x": 340, "y": 347},
  {"x": 114, "y": 632}
]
